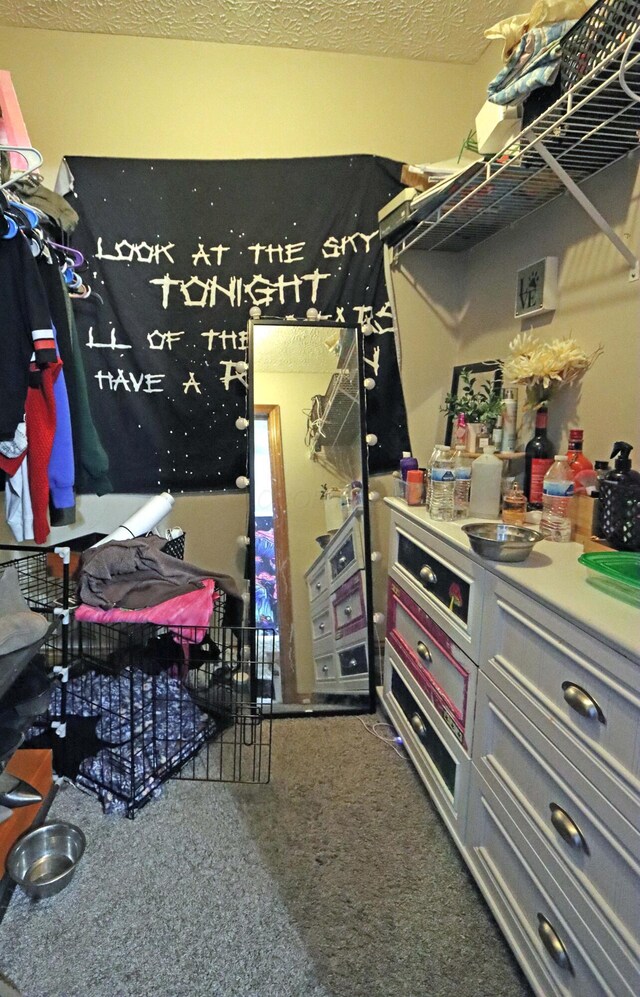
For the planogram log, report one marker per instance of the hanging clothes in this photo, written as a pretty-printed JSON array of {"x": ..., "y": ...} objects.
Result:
[
  {"x": 41, "y": 427},
  {"x": 25, "y": 329}
]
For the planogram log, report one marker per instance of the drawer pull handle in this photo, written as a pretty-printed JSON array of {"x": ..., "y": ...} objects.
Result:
[
  {"x": 325, "y": 668},
  {"x": 428, "y": 575},
  {"x": 553, "y": 945},
  {"x": 342, "y": 561},
  {"x": 582, "y": 702},
  {"x": 418, "y": 725},
  {"x": 318, "y": 585},
  {"x": 423, "y": 651},
  {"x": 348, "y": 611},
  {"x": 321, "y": 626},
  {"x": 566, "y": 828},
  {"x": 352, "y": 663}
]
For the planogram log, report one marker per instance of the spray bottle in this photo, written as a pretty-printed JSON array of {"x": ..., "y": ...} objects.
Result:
[{"x": 619, "y": 503}]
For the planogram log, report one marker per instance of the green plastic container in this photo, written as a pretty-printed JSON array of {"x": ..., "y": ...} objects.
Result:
[{"x": 617, "y": 574}]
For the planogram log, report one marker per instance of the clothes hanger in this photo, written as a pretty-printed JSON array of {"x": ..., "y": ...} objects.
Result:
[
  {"x": 24, "y": 215},
  {"x": 88, "y": 293},
  {"x": 33, "y": 158},
  {"x": 73, "y": 255}
]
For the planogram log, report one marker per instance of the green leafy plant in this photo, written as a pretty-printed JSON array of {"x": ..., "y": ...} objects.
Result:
[
  {"x": 477, "y": 405},
  {"x": 330, "y": 491}
]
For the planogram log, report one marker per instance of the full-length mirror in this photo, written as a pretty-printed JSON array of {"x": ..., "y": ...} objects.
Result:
[{"x": 309, "y": 516}]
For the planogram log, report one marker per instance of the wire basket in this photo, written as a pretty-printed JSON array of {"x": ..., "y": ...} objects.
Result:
[{"x": 601, "y": 30}]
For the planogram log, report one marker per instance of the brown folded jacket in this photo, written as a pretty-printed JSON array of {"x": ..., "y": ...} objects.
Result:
[{"x": 134, "y": 574}]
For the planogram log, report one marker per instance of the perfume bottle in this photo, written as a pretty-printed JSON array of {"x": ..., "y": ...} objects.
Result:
[{"x": 514, "y": 506}]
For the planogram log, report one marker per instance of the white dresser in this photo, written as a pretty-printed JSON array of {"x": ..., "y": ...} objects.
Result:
[
  {"x": 516, "y": 689},
  {"x": 337, "y": 598}
]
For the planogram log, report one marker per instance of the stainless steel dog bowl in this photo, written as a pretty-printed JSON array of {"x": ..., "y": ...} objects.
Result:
[
  {"x": 44, "y": 860},
  {"x": 501, "y": 542}
]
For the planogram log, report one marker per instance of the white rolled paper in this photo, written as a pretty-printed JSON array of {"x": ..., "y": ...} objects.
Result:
[{"x": 143, "y": 520}]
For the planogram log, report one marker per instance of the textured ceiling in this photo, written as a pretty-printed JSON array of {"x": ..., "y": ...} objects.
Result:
[
  {"x": 435, "y": 30},
  {"x": 293, "y": 349}
]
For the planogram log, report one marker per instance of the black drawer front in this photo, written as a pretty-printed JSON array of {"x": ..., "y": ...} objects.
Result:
[
  {"x": 429, "y": 739},
  {"x": 435, "y": 578},
  {"x": 353, "y": 661},
  {"x": 345, "y": 556}
]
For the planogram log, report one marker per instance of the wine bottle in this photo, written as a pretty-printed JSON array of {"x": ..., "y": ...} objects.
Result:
[
  {"x": 538, "y": 458},
  {"x": 575, "y": 457}
]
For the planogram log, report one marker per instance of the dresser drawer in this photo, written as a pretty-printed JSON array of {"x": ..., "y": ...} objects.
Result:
[
  {"x": 348, "y": 606},
  {"x": 345, "y": 555},
  {"x": 352, "y": 657},
  {"x": 586, "y": 693},
  {"x": 561, "y": 953},
  {"x": 321, "y": 619},
  {"x": 318, "y": 580},
  {"x": 443, "y": 671},
  {"x": 441, "y": 579},
  {"x": 440, "y": 760},
  {"x": 324, "y": 659},
  {"x": 598, "y": 849}
]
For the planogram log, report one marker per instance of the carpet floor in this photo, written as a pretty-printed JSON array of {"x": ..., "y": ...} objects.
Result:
[{"x": 338, "y": 879}]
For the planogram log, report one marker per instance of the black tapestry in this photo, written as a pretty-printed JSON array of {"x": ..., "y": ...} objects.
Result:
[{"x": 179, "y": 252}]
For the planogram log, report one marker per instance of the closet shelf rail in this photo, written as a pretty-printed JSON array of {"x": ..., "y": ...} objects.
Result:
[{"x": 591, "y": 126}]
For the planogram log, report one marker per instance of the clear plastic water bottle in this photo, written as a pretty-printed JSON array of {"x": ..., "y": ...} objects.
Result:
[
  {"x": 462, "y": 476},
  {"x": 442, "y": 485},
  {"x": 427, "y": 482},
  {"x": 557, "y": 489}
]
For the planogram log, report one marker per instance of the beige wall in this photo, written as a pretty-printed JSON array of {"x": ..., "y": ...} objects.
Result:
[
  {"x": 111, "y": 95},
  {"x": 468, "y": 302},
  {"x": 118, "y": 96},
  {"x": 293, "y": 392},
  {"x": 103, "y": 95}
]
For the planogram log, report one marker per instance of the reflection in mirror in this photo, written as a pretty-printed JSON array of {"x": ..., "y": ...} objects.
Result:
[{"x": 309, "y": 517}]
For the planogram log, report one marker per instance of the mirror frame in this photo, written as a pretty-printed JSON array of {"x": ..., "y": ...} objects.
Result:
[{"x": 308, "y": 709}]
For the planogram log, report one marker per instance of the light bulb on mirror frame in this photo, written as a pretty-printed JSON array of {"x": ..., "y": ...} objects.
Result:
[
  {"x": 243, "y": 541},
  {"x": 376, "y": 555},
  {"x": 242, "y": 481},
  {"x": 374, "y": 496},
  {"x": 371, "y": 439},
  {"x": 369, "y": 383},
  {"x": 242, "y": 423},
  {"x": 242, "y": 366},
  {"x": 313, "y": 314},
  {"x": 255, "y": 312},
  {"x": 379, "y": 618}
]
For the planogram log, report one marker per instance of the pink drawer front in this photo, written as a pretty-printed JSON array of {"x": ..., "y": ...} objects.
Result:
[
  {"x": 349, "y": 609},
  {"x": 441, "y": 669}
]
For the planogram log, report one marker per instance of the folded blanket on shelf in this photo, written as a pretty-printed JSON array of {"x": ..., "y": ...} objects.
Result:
[
  {"x": 511, "y": 29},
  {"x": 534, "y": 63}
]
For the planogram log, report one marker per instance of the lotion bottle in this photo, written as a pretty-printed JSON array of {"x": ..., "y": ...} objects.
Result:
[
  {"x": 486, "y": 479},
  {"x": 407, "y": 463},
  {"x": 509, "y": 419}
]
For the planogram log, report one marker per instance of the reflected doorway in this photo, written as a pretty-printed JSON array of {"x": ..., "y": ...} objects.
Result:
[{"x": 273, "y": 604}]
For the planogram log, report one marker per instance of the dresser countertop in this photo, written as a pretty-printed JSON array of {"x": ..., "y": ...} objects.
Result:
[{"x": 551, "y": 575}]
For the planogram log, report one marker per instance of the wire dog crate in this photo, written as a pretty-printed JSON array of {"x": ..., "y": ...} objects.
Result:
[{"x": 139, "y": 703}]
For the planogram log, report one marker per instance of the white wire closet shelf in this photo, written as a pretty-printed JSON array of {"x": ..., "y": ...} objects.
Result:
[{"x": 591, "y": 126}]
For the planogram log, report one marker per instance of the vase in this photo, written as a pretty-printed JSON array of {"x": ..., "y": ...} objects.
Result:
[
  {"x": 475, "y": 432},
  {"x": 333, "y": 512}
]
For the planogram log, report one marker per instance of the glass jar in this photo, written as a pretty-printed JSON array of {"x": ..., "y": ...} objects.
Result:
[{"x": 514, "y": 506}]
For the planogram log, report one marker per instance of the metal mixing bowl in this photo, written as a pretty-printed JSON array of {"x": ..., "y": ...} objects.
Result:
[
  {"x": 43, "y": 861},
  {"x": 501, "y": 542}
]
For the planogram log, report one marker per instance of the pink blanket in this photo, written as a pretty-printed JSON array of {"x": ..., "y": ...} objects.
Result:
[{"x": 187, "y": 615}]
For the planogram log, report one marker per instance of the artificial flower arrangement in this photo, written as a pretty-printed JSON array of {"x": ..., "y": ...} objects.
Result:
[{"x": 542, "y": 367}]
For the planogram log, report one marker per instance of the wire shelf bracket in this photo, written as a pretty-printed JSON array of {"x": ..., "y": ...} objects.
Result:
[
  {"x": 592, "y": 125},
  {"x": 590, "y": 209}
]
